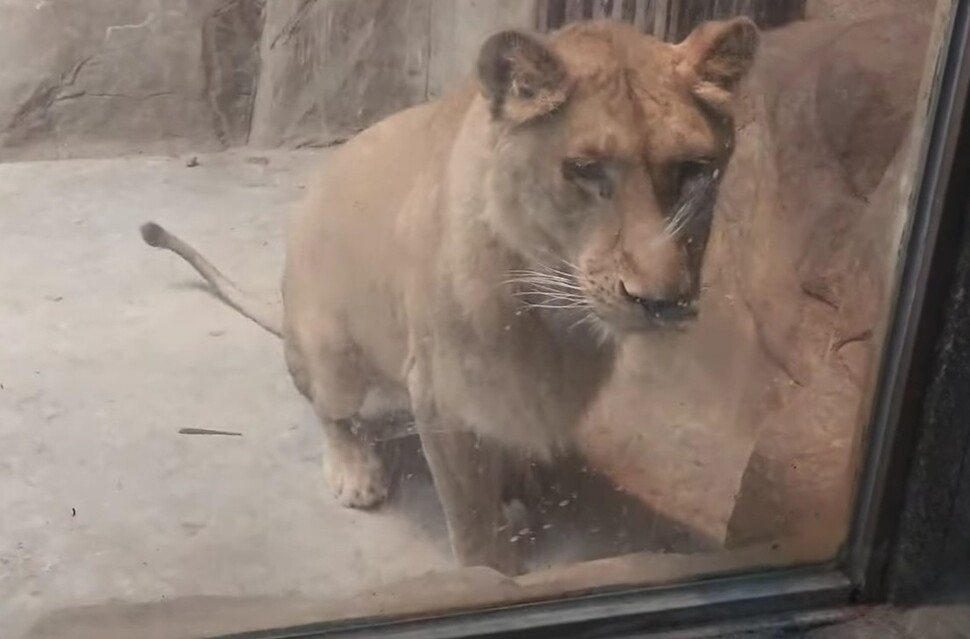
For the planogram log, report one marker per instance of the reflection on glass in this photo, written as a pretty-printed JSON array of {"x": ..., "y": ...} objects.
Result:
[{"x": 607, "y": 312}]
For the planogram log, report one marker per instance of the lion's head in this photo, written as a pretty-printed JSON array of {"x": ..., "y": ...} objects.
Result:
[{"x": 608, "y": 146}]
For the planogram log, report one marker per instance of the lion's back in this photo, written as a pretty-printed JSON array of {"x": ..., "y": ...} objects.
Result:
[{"x": 345, "y": 256}]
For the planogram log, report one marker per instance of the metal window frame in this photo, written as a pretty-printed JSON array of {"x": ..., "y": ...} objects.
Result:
[
  {"x": 859, "y": 574},
  {"x": 930, "y": 256}
]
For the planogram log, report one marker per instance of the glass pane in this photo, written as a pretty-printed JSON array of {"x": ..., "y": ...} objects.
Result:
[{"x": 577, "y": 309}]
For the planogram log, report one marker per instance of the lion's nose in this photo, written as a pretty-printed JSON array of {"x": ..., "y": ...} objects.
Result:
[{"x": 677, "y": 308}]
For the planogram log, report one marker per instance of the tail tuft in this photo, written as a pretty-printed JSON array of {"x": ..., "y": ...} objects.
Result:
[
  {"x": 269, "y": 317},
  {"x": 153, "y": 234}
]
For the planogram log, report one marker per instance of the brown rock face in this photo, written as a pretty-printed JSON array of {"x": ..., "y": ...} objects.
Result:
[{"x": 746, "y": 426}]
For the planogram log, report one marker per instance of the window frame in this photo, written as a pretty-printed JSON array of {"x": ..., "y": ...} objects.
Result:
[{"x": 799, "y": 595}]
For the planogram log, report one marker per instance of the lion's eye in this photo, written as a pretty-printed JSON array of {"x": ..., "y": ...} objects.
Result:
[
  {"x": 688, "y": 175},
  {"x": 586, "y": 169},
  {"x": 590, "y": 174}
]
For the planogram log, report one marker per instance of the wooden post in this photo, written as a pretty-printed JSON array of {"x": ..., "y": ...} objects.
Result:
[
  {"x": 574, "y": 10},
  {"x": 644, "y": 15},
  {"x": 687, "y": 14},
  {"x": 670, "y": 19}
]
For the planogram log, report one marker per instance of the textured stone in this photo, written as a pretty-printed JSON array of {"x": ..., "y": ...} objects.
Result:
[
  {"x": 330, "y": 68},
  {"x": 745, "y": 428},
  {"x": 855, "y": 10},
  {"x": 334, "y": 67},
  {"x": 458, "y": 30},
  {"x": 112, "y": 77},
  {"x": 840, "y": 128}
]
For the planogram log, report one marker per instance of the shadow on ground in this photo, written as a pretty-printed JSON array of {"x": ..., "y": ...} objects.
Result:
[{"x": 577, "y": 515}]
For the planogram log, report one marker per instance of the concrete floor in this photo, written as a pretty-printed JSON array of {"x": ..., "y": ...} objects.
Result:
[{"x": 109, "y": 348}]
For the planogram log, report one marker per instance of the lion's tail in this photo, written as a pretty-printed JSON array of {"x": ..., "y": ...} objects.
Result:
[{"x": 267, "y": 316}]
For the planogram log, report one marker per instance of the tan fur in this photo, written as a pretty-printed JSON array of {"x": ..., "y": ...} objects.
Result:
[{"x": 455, "y": 253}]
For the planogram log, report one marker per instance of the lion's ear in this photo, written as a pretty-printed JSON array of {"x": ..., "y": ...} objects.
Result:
[
  {"x": 717, "y": 55},
  {"x": 521, "y": 77}
]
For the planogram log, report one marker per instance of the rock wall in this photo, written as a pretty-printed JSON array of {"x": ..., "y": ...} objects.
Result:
[
  {"x": 744, "y": 429},
  {"x": 330, "y": 67},
  {"x": 116, "y": 76},
  {"x": 854, "y": 10},
  {"x": 333, "y": 67},
  {"x": 108, "y": 77}
]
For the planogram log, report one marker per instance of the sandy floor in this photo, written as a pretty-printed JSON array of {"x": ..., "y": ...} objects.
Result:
[{"x": 108, "y": 349}]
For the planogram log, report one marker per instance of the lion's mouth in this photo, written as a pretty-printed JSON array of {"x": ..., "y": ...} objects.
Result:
[
  {"x": 668, "y": 311},
  {"x": 674, "y": 324},
  {"x": 651, "y": 318}
]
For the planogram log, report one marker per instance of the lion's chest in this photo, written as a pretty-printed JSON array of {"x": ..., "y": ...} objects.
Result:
[{"x": 521, "y": 385}]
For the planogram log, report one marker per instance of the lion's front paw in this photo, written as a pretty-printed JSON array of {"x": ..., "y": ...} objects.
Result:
[{"x": 356, "y": 476}]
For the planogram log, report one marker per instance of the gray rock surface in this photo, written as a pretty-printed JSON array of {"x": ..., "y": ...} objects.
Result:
[
  {"x": 116, "y": 76},
  {"x": 168, "y": 76},
  {"x": 852, "y": 10},
  {"x": 332, "y": 67}
]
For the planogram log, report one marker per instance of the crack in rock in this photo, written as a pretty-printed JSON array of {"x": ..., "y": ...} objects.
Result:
[
  {"x": 86, "y": 94},
  {"x": 124, "y": 27}
]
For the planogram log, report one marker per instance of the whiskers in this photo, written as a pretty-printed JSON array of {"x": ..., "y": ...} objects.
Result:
[
  {"x": 548, "y": 288},
  {"x": 552, "y": 289},
  {"x": 695, "y": 200},
  {"x": 556, "y": 291},
  {"x": 595, "y": 326}
]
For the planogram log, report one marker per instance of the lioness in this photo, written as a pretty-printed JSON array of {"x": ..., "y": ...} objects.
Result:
[{"x": 485, "y": 253}]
